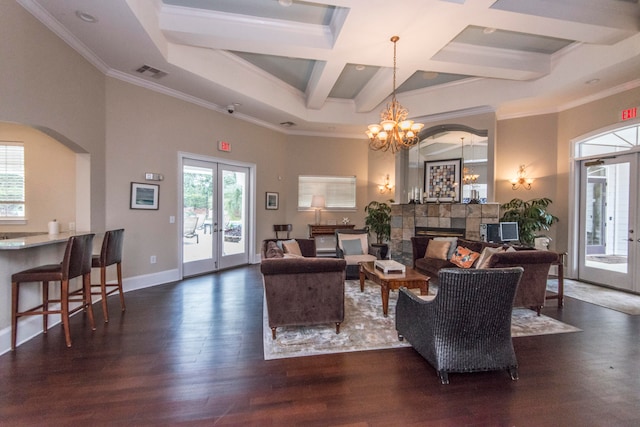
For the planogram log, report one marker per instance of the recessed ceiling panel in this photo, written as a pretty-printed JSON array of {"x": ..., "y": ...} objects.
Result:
[
  {"x": 351, "y": 81},
  {"x": 293, "y": 71},
  {"x": 303, "y": 12},
  {"x": 480, "y": 36},
  {"x": 422, "y": 79}
]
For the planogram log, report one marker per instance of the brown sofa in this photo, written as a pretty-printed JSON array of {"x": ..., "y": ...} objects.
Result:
[
  {"x": 303, "y": 290},
  {"x": 532, "y": 289}
]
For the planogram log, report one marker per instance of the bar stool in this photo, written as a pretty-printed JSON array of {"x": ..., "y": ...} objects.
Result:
[
  {"x": 76, "y": 262},
  {"x": 111, "y": 253}
]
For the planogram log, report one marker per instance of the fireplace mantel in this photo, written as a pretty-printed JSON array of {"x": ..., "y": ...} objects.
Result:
[{"x": 405, "y": 218}]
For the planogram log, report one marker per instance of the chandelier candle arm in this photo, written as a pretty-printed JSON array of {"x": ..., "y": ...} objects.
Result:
[{"x": 394, "y": 132}]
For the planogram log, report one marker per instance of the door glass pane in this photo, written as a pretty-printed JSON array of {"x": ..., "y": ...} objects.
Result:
[
  {"x": 607, "y": 217},
  {"x": 233, "y": 217},
  {"x": 197, "y": 211}
]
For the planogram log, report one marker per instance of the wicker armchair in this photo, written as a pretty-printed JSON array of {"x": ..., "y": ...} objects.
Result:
[{"x": 467, "y": 326}]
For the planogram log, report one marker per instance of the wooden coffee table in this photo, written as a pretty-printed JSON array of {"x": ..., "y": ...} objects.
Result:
[{"x": 411, "y": 279}]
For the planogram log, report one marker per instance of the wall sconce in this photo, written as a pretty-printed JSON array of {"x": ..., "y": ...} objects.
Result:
[
  {"x": 318, "y": 203},
  {"x": 386, "y": 187},
  {"x": 521, "y": 180}
]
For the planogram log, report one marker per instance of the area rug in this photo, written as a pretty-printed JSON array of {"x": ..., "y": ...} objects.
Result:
[
  {"x": 598, "y": 295},
  {"x": 365, "y": 328}
]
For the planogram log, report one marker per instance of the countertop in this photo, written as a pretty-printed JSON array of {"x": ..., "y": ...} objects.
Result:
[{"x": 38, "y": 240}]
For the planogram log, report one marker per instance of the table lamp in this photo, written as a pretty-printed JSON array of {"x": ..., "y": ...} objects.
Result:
[{"x": 318, "y": 203}]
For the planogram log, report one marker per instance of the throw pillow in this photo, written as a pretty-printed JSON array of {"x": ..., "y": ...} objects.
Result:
[
  {"x": 273, "y": 251},
  {"x": 281, "y": 242},
  {"x": 363, "y": 238},
  {"x": 463, "y": 257},
  {"x": 437, "y": 249},
  {"x": 291, "y": 247},
  {"x": 352, "y": 247},
  {"x": 453, "y": 244},
  {"x": 483, "y": 260}
]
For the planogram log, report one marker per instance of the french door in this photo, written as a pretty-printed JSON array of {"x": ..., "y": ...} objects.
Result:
[
  {"x": 609, "y": 224},
  {"x": 214, "y": 216}
]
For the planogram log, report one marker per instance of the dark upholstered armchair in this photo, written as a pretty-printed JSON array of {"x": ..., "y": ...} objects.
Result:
[{"x": 467, "y": 326}]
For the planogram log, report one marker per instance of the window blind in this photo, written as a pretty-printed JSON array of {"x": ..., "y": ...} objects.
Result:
[
  {"x": 339, "y": 192},
  {"x": 12, "y": 193}
]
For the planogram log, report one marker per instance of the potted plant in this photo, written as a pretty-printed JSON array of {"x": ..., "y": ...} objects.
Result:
[
  {"x": 378, "y": 220},
  {"x": 531, "y": 216}
]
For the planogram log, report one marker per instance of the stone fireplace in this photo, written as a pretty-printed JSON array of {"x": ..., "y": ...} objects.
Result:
[{"x": 437, "y": 219}]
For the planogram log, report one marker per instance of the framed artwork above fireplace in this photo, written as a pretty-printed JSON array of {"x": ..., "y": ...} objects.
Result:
[{"x": 442, "y": 181}]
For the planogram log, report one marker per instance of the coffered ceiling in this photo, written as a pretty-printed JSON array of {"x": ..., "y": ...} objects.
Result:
[{"x": 325, "y": 67}]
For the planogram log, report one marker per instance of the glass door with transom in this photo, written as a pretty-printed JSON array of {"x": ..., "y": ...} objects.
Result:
[
  {"x": 609, "y": 237},
  {"x": 214, "y": 216}
]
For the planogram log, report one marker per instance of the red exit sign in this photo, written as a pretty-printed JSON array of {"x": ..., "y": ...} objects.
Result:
[
  {"x": 629, "y": 113},
  {"x": 224, "y": 146}
]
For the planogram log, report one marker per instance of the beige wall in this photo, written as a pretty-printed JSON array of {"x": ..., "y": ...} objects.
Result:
[
  {"x": 544, "y": 144},
  {"x": 145, "y": 132},
  {"x": 50, "y": 191},
  {"x": 46, "y": 84},
  {"x": 530, "y": 141}
]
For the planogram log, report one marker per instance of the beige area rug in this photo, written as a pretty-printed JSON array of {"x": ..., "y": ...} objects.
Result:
[
  {"x": 365, "y": 328},
  {"x": 598, "y": 295}
]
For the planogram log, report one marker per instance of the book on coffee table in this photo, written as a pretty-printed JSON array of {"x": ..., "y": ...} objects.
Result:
[{"x": 387, "y": 266}]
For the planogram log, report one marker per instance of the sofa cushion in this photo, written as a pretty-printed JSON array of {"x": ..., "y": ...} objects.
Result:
[
  {"x": 463, "y": 257},
  {"x": 273, "y": 251},
  {"x": 352, "y": 247},
  {"x": 289, "y": 255},
  {"x": 355, "y": 259},
  {"x": 437, "y": 249},
  {"x": 483, "y": 259},
  {"x": 431, "y": 266},
  {"x": 475, "y": 246},
  {"x": 291, "y": 247},
  {"x": 452, "y": 246}
]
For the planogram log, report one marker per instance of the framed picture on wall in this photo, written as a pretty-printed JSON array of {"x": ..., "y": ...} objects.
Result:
[
  {"x": 442, "y": 180},
  {"x": 144, "y": 196},
  {"x": 271, "y": 201}
]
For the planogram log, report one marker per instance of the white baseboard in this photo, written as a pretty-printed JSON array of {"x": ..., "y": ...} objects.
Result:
[{"x": 31, "y": 326}]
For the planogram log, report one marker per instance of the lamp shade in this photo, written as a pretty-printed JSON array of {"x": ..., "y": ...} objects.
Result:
[{"x": 317, "y": 202}]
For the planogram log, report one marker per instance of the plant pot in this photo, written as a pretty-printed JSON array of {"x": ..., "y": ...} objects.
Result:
[{"x": 384, "y": 249}]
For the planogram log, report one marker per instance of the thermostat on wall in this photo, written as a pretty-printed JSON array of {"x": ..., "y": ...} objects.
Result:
[{"x": 149, "y": 176}]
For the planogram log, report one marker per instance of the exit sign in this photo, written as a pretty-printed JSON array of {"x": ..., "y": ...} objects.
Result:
[
  {"x": 224, "y": 146},
  {"x": 629, "y": 113}
]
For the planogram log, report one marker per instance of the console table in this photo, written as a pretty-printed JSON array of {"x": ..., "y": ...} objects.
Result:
[
  {"x": 325, "y": 236},
  {"x": 324, "y": 230}
]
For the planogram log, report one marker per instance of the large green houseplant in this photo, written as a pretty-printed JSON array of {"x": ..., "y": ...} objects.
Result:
[
  {"x": 378, "y": 220},
  {"x": 531, "y": 216}
]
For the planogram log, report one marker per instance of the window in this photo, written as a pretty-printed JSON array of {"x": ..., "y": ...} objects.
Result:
[
  {"x": 339, "y": 191},
  {"x": 11, "y": 180}
]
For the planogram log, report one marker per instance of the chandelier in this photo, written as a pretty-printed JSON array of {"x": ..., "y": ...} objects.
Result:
[
  {"x": 394, "y": 132},
  {"x": 468, "y": 177}
]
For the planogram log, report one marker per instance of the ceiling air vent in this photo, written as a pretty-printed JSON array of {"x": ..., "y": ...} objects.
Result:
[{"x": 150, "y": 71}]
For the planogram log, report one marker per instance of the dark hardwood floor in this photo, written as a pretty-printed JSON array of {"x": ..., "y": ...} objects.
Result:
[{"x": 190, "y": 353}]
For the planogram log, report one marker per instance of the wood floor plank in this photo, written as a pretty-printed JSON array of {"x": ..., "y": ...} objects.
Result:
[{"x": 190, "y": 353}]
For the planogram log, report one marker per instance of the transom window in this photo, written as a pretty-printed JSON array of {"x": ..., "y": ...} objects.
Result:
[
  {"x": 611, "y": 142},
  {"x": 339, "y": 192},
  {"x": 12, "y": 203}
]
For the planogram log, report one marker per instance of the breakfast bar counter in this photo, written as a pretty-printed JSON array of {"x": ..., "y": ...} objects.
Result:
[{"x": 18, "y": 254}]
